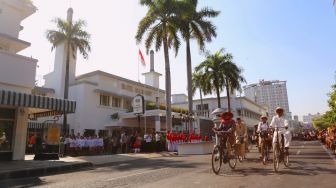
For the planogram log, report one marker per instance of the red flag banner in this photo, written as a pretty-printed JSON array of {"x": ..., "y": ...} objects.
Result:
[{"x": 142, "y": 59}]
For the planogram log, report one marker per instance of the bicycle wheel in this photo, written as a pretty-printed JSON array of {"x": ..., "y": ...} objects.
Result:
[
  {"x": 240, "y": 158},
  {"x": 286, "y": 159},
  {"x": 233, "y": 160},
  {"x": 216, "y": 159},
  {"x": 265, "y": 155},
  {"x": 276, "y": 157}
]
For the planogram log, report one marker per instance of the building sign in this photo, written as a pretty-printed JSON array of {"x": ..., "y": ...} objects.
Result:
[
  {"x": 54, "y": 132},
  {"x": 138, "y": 104}
]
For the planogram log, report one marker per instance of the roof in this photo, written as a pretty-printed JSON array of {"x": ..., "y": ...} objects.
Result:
[
  {"x": 43, "y": 90},
  {"x": 98, "y": 72},
  {"x": 215, "y": 98}
]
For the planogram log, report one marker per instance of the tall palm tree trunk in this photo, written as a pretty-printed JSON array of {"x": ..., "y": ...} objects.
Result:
[
  {"x": 218, "y": 96},
  {"x": 168, "y": 85},
  {"x": 66, "y": 85},
  {"x": 200, "y": 90},
  {"x": 228, "y": 94},
  {"x": 189, "y": 77}
]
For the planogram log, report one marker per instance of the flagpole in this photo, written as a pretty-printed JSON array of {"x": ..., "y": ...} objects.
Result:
[{"x": 138, "y": 67}]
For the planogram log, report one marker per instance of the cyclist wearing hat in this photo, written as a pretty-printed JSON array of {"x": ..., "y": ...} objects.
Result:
[
  {"x": 279, "y": 121},
  {"x": 263, "y": 125},
  {"x": 227, "y": 124}
]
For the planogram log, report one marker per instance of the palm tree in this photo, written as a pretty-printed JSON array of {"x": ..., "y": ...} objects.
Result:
[
  {"x": 74, "y": 37},
  {"x": 212, "y": 68},
  {"x": 199, "y": 82},
  {"x": 232, "y": 76},
  {"x": 195, "y": 26},
  {"x": 160, "y": 24}
]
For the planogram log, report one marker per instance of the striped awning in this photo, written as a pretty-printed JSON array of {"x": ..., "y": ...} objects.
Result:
[
  {"x": 38, "y": 125},
  {"x": 51, "y": 105}
]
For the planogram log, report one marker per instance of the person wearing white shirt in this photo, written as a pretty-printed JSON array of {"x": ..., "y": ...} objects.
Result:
[
  {"x": 263, "y": 125},
  {"x": 279, "y": 121}
]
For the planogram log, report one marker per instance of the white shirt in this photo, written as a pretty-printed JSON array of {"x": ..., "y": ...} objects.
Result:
[
  {"x": 279, "y": 122},
  {"x": 262, "y": 126},
  {"x": 157, "y": 137}
]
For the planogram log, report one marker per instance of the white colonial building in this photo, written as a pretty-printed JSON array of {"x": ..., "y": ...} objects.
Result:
[
  {"x": 241, "y": 107},
  {"x": 104, "y": 100},
  {"x": 17, "y": 80}
]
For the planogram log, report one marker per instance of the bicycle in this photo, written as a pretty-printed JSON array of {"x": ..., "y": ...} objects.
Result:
[
  {"x": 220, "y": 153},
  {"x": 241, "y": 143},
  {"x": 265, "y": 145},
  {"x": 278, "y": 152}
]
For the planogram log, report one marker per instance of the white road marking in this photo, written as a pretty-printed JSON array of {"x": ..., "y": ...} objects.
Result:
[
  {"x": 135, "y": 174},
  {"x": 329, "y": 153}
]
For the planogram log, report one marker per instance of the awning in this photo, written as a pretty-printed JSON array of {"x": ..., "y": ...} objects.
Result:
[
  {"x": 38, "y": 125},
  {"x": 52, "y": 106}
]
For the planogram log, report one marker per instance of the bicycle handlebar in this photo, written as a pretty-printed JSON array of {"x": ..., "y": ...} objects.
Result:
[{"x": 222, "y": 132}]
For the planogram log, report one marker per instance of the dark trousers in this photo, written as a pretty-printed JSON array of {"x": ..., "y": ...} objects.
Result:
[{"x": 123, "y": 148}]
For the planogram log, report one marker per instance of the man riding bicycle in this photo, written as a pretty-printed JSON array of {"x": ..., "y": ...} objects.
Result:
[
  {"x": 279, "y": 121},
  {"x": 227, "y": 124},
  {"x": 263, "y": 126},
  {"x": 241, "y": 133}
]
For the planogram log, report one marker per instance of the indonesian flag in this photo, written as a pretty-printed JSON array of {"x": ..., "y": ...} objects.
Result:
[{"x": 142, "y": 59}]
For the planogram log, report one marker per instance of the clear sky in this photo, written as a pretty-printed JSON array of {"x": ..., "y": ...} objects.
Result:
[{"x": 270, "y": 39}]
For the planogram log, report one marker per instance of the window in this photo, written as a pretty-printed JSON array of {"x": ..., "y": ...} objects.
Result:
[
  {"x": 7, "y": 117},
  {"x": 104, "y": 100},
  {"x": 149, "y": 93},
  {"x": 116, "y": 102},
  {"x": 205, "y": 107},
  {"x": 127, "y": 104}
]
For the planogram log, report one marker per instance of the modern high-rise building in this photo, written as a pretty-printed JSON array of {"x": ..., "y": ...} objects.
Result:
[{"x": 269, "y": 93}]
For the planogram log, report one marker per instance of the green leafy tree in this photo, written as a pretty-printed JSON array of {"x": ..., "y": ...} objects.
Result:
[
  {"x": 73, "y": 35},
  {"x": 232, "y": 77},
  {"x": 160, "y": 24},
  {"x": 213, "y": 71},
  {"x": 199, "y": 82},
  {"x": 194, "y": 25}
]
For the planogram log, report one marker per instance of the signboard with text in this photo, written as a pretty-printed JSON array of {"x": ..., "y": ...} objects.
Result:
[
  {"x": 138, "y": 104},
  {"x": 54, "y": 133}
]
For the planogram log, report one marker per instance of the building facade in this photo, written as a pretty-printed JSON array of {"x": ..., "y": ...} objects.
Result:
[
  {"x": 241, "y": 107},
  {"x": 17, "y": 80},
  {"x": 272, "y": 94},
  {"x": 104, "y": 101},
  {"x": 309, "y": 118}
]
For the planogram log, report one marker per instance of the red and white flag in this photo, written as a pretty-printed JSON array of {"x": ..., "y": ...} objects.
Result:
[{"x": 142, "y": 59}]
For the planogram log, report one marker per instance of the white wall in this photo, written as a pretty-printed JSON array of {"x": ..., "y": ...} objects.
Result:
[
  {"x": 17, "y": 70},
  {"x": 11, "y": 15},
  {"x": 56, "y": 78},
  {"x": 20, "y": 134}
]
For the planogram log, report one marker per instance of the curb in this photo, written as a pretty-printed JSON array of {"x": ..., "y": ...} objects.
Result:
[{"x": 43, "y": 171}]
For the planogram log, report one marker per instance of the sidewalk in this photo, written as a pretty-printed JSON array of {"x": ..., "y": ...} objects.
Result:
[{"x": 29, "y": 167}]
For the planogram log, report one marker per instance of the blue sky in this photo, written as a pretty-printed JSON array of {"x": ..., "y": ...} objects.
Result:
[{"x": 270, "y": 39}]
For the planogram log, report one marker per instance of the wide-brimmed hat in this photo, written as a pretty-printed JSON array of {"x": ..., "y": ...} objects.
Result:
[
  {"x": 279, "y": 109},
  {"x": 227, "y": 114},
  {"x": 261, "y": 117}
]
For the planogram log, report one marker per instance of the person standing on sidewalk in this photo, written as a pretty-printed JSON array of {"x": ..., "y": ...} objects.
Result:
[
  {"x": 158, "y": 141},
  {"x": 123, "y": 140}
]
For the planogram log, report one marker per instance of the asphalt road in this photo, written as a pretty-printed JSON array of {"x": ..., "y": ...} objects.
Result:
[{"x": 310, "y": 166}]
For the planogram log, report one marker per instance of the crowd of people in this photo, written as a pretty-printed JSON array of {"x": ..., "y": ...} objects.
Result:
[{"x": 328, "y": 137}]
